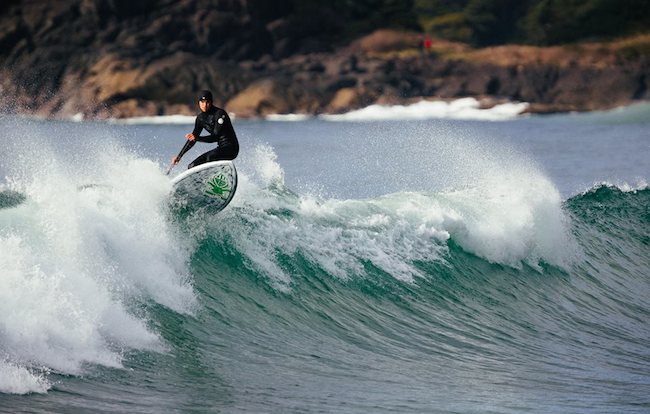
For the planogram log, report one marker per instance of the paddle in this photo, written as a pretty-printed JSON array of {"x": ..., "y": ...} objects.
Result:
[{"x": 182, "y": 151}]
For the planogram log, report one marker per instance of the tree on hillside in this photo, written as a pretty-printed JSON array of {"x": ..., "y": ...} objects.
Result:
[
  {"x": 495, "y": 21},
  {"x": 560, "y": 21},
  {"x": 443, "y": 18},
  {"x": 368, "y": 15},
  {"x": 541, "y": 22}
]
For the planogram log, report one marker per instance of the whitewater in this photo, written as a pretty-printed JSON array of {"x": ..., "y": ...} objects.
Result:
[{"x": 372, "y": 265}]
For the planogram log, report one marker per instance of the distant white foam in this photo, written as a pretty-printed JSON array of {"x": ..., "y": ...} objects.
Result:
[
  {"x": 156, "y": 120},
  {"x": 465, "y": 108},
  {"x": 462, "y": 109},
  {"x": 287, "y": 117},
  {"x": 160, "y": 120}
]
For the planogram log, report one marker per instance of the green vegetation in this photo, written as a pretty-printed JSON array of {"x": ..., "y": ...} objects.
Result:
[
  {"x": 337, "y": 20},
  {"x": 493, "y": 22},
  {"x": 536, "y": 22},
  {"x": 633, "y": 47},
  {"x": 560, "y": 21},
  {"x": 478, "y": 22}
]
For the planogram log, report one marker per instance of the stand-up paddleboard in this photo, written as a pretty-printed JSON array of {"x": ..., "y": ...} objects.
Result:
[{"x": 210, "y": 186}]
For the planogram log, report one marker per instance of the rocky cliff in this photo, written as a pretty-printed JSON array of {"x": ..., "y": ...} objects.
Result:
[{"x": 118, "y": 58}]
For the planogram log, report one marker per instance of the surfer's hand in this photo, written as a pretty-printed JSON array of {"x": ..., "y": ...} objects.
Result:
[
  {"x": 175, "y": 160},
  {"x": 190, "y": 136}
]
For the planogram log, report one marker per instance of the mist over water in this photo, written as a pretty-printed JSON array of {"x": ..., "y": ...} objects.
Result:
[{"x": 360, "y": 266}]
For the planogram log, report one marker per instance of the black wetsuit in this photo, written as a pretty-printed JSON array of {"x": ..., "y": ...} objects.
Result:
[{"x": 217, "y": 122}]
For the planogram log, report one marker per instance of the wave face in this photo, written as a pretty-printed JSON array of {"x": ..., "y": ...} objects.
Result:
[
  {"x": 497, "y": 294},
  {"x": 543, "y": 299},
  {"x": 431, "y": 293}
]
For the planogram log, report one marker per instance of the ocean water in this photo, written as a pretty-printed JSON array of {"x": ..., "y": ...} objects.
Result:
[{"x": 364, "y": 266}]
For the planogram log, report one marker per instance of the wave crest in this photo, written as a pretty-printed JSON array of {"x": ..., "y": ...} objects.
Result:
[{"x": 501, "y": 219}]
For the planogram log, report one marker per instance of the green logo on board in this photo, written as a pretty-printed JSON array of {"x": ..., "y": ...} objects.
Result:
[{"x": 217, "y": 186}]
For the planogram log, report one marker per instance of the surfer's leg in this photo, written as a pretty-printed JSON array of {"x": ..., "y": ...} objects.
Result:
[
  {"x": 217, "y": 154},
  {"x": 222, "y": 153},
  {"x": 201, "y": 159}
]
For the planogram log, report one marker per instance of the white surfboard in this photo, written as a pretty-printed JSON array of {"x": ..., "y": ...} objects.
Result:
[{"x": 210, "y": 186}]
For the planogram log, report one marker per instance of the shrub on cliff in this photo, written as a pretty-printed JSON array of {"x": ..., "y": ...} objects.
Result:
[
  {"x": 551, "y": 22},
  {"x": 538, "y": 22}
]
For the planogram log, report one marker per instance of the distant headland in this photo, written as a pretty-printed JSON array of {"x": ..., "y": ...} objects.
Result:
[{"x": 115, "y": 58}]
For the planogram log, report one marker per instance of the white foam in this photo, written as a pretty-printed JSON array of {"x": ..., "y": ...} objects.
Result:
[
  {"x": 511, "y": 220},
  {"x": 461, "y": 109},
  {"x": 156, "y": 120},
  {"x": 464, "y": 108},
  {"x": 507, "y": 212},
  {"x": 160, "y": 120},
  {"x": 19, "y": 380},
  {"x": 288, "y": 117},
  {"x": 75, "y": 259}
]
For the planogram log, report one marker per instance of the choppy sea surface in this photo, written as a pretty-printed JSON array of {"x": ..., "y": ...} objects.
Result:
[{"x": 369, "y": 266}]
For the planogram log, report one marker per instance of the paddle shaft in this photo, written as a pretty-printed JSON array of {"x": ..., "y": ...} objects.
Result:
[{"x": 180, "y": 154}]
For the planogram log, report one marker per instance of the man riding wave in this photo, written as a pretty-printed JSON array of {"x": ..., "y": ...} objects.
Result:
[{"x": 217, "y": 123}]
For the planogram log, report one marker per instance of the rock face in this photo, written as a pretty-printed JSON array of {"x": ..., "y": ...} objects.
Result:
[{"x": 121, "y": 58}]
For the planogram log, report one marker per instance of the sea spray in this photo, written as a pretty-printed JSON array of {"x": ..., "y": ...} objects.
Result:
[
  {"x": 82, "y": 255},
  {"x": 511, "y": 217},
  {"x": 19, "y": 380}
]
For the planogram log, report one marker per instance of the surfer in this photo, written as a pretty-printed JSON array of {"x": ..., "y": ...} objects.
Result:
[{"x": 217, "y": 123}]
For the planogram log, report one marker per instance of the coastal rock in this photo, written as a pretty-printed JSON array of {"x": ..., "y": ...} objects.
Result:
[
  {"x": 261, "y": 98},
  {"x": 343, "y": 100},
  {"x": 118, "y": 58}
]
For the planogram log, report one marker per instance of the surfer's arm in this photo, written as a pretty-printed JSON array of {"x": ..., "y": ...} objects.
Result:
[
  {"x": 197, "y": 127},
  {"x": 191, "y": 140},
  {"x": 188, "y": 146}
]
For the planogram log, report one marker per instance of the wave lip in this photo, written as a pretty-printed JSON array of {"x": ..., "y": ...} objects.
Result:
[
  {"x": 513, "y": 223},
  {"x": 625, "y": 187}
]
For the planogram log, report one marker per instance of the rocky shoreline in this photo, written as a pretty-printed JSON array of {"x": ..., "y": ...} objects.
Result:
[
  {"x": 120, "y": 69},
  {"x": 354, "y": 78}
]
